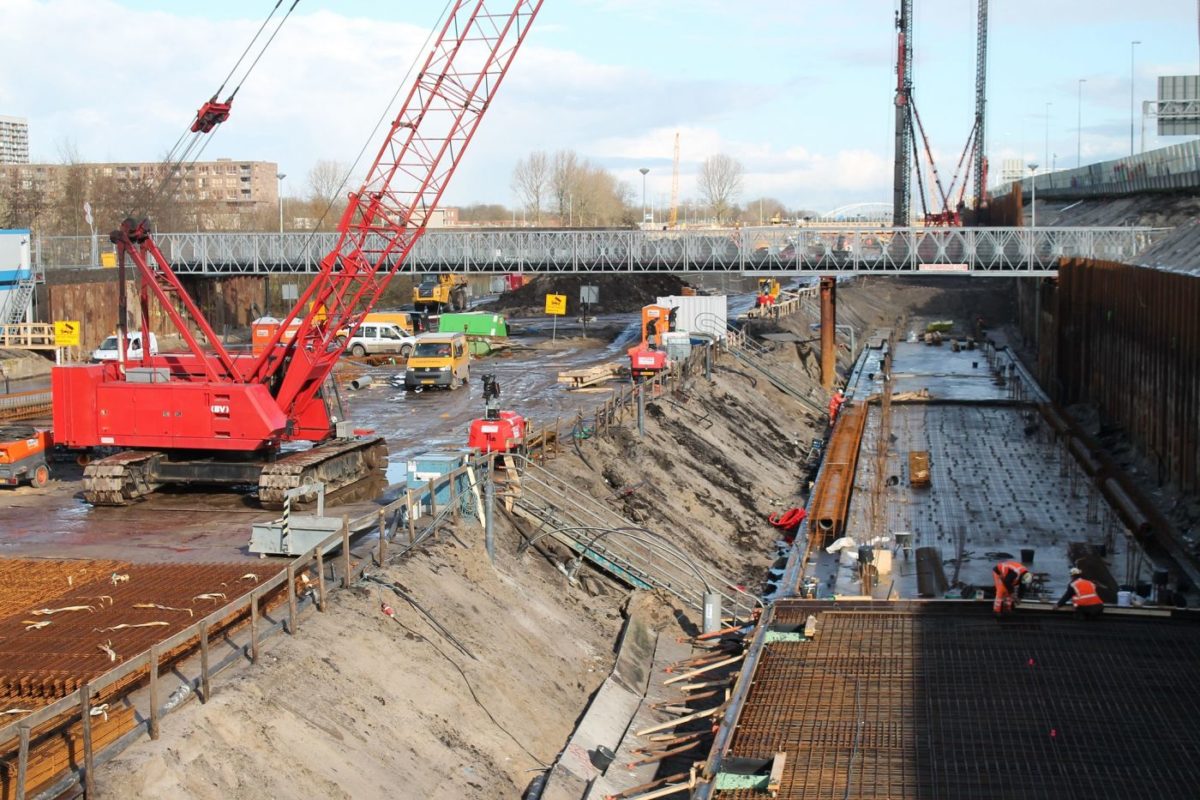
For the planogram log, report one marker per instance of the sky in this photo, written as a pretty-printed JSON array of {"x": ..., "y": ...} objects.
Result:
[{"x": 800, "y": 92}]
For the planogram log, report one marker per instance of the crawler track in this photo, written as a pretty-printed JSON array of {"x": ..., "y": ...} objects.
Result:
[
  {"x": 336, "y": 465},
  {"x": 119, "y": 479}
]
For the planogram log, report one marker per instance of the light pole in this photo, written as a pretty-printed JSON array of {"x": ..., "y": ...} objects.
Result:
[
  {"x": 1046, "y": 157},
  {"x": 280, "y": 176},
  {"x": 644, "y": 170},
  {"x": 1079, "y": 124},
  {"x": 1131, "y": 46},
  {"x": 1033, "y": 199}
]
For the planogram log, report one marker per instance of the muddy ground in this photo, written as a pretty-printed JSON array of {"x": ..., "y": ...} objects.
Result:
[{"x": 360, "y": 705}]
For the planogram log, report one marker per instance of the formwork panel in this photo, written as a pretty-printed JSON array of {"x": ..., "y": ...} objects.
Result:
[{"x": 941, "y": 701}]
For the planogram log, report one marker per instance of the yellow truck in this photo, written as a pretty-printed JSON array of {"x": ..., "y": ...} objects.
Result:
[
  {"x": 438, "y": 359},
  {"x": 438, "y": 293}
]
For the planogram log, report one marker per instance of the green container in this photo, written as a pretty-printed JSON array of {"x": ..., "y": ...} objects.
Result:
[{"x": 473, "y": 323}]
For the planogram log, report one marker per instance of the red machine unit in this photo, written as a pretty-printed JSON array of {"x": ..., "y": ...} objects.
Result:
[
  {"x": 648, "y": 358},
  {"x": 498, "y": 431},
  {"x": 646, "y": 362},
  {"x": 215, "y": 417},
  {"x": 501, "y": 435}
]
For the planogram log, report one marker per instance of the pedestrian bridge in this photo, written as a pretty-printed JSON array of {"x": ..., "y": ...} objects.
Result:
[{"x": 789, "y": 250}]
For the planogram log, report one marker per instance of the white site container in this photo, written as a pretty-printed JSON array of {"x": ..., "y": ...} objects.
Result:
[{"x": 702, "y": 314}]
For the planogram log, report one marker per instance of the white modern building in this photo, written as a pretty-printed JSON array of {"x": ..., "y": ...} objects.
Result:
[{"x": 14, "y": 140}]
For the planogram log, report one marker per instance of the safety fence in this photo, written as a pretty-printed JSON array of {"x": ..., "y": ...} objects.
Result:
[{"x": 1168, "y": 169}]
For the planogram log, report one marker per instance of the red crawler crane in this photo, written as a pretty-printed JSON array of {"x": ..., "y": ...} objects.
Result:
[{"x": 215, "y": 417}]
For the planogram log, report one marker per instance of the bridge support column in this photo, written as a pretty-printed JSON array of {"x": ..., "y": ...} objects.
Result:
[{"x": 828, "y": 332}]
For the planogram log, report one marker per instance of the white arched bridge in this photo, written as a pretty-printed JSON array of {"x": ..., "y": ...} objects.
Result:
[{"x": 806, "y": 249}]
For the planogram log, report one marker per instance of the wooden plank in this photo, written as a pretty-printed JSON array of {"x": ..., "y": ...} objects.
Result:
[{"x": 918, "y": 468}]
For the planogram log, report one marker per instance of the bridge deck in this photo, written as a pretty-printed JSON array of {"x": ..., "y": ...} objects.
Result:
[{"x": 814, "y": 250}]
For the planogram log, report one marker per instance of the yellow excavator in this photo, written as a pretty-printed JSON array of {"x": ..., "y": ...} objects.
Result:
[{"x": 438, "y": 293}]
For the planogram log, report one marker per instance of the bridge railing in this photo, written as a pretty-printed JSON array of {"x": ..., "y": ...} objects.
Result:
[{"x": 747, "y": 250}]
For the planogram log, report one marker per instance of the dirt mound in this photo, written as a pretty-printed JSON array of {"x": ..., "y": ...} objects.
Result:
[{"x": 618, "y": 293}]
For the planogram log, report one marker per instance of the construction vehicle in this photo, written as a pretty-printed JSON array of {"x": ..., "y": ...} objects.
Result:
[
  {"x": 23, "y": 456},
  {"x": 768, "y": 291},
  {"x": 438, "y": 293},
  {"x": 438, "y": 359},
  {"x": 211, "y": 416},
  {"x": 649, "y": 357},
  {"x": 498, "y": 431}
]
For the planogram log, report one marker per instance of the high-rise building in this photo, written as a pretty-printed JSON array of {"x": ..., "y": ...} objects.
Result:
[{"x": 14, "y": 140}]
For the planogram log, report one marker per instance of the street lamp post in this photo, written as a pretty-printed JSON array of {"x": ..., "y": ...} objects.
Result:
[
  {"x": 1131, "y": 46},
  {"x": 1033, "y": 198},
  {"x": 1079, "y": 124},
  {"x": 280, "y": 176},
  {"x": 644, "y": 170}
]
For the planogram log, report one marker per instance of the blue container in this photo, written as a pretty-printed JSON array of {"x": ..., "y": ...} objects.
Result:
[{"x": 427, "y": 466}]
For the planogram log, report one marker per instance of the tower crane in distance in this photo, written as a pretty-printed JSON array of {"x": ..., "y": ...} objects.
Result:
[{"x": 210, "y": 416}]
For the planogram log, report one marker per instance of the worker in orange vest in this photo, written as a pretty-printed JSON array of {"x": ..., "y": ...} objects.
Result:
[
  {"x": 1082, "y": 594},
  {"x": 835, "y": 405},
  {"x": 1011, "y": 578}
]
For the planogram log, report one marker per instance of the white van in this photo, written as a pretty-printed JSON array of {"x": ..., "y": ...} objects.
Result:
[
  {"x": 107, "y": 351},
  {"x": 382, "y": 337}
]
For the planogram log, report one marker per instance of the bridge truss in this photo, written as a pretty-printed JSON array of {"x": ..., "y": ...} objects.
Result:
[{"x": 814, "y": 250}]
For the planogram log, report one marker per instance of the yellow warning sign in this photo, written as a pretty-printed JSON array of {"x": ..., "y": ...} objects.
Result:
[
  {"x": 108, "y": 259},
  {"x": 66, "y": 333},
  {"x": 556, "y": 304}
]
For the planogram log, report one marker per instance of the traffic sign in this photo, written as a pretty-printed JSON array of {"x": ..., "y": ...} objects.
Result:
[
  {"x": 556, "y": 304},
  {"x": 589, "y": 295},
  {"x": 66, "y": 333}
]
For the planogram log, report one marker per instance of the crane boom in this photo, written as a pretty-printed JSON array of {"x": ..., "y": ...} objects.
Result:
[
  {"x": 210, "y": 415},
  {"x": 387, "y": 215}
]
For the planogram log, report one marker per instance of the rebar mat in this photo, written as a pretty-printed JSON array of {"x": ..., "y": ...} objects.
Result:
[{"x": 951, "y": 704}]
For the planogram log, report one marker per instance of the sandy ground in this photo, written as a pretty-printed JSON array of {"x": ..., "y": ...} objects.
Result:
[
  {"x": 358, "y": 705},
  {"x": 361, "y": 705}
]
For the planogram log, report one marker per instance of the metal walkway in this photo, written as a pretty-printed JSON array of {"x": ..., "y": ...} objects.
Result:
[{"x": 811, "y": 250}]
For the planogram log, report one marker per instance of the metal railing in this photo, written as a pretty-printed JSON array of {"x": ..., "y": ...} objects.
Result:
[
  {"x": 635, "y": 555},
  {"x": 772, "y": 250},
  {"x": 755, "y": 355},
  {"x": 248, "y": 613}
]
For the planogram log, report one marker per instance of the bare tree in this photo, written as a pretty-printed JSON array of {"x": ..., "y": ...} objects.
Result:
[
  {"x": 531, "y": 180},
  {"x": 564, "y": 183},
  {"x": 720, "y": 183},
  {"x": 325, "y": 181}
]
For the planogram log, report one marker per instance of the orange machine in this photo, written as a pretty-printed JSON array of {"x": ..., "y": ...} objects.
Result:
[
  {"x": 23, "y": 455},
  {"x": 648, "y": 358}
]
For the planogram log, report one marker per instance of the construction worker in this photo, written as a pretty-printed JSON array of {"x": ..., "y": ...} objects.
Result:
[
  {"x": 1082, "y": 594},
  {"x": 835, "y": 405},
  {"x": 1010, "y": 579}
]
